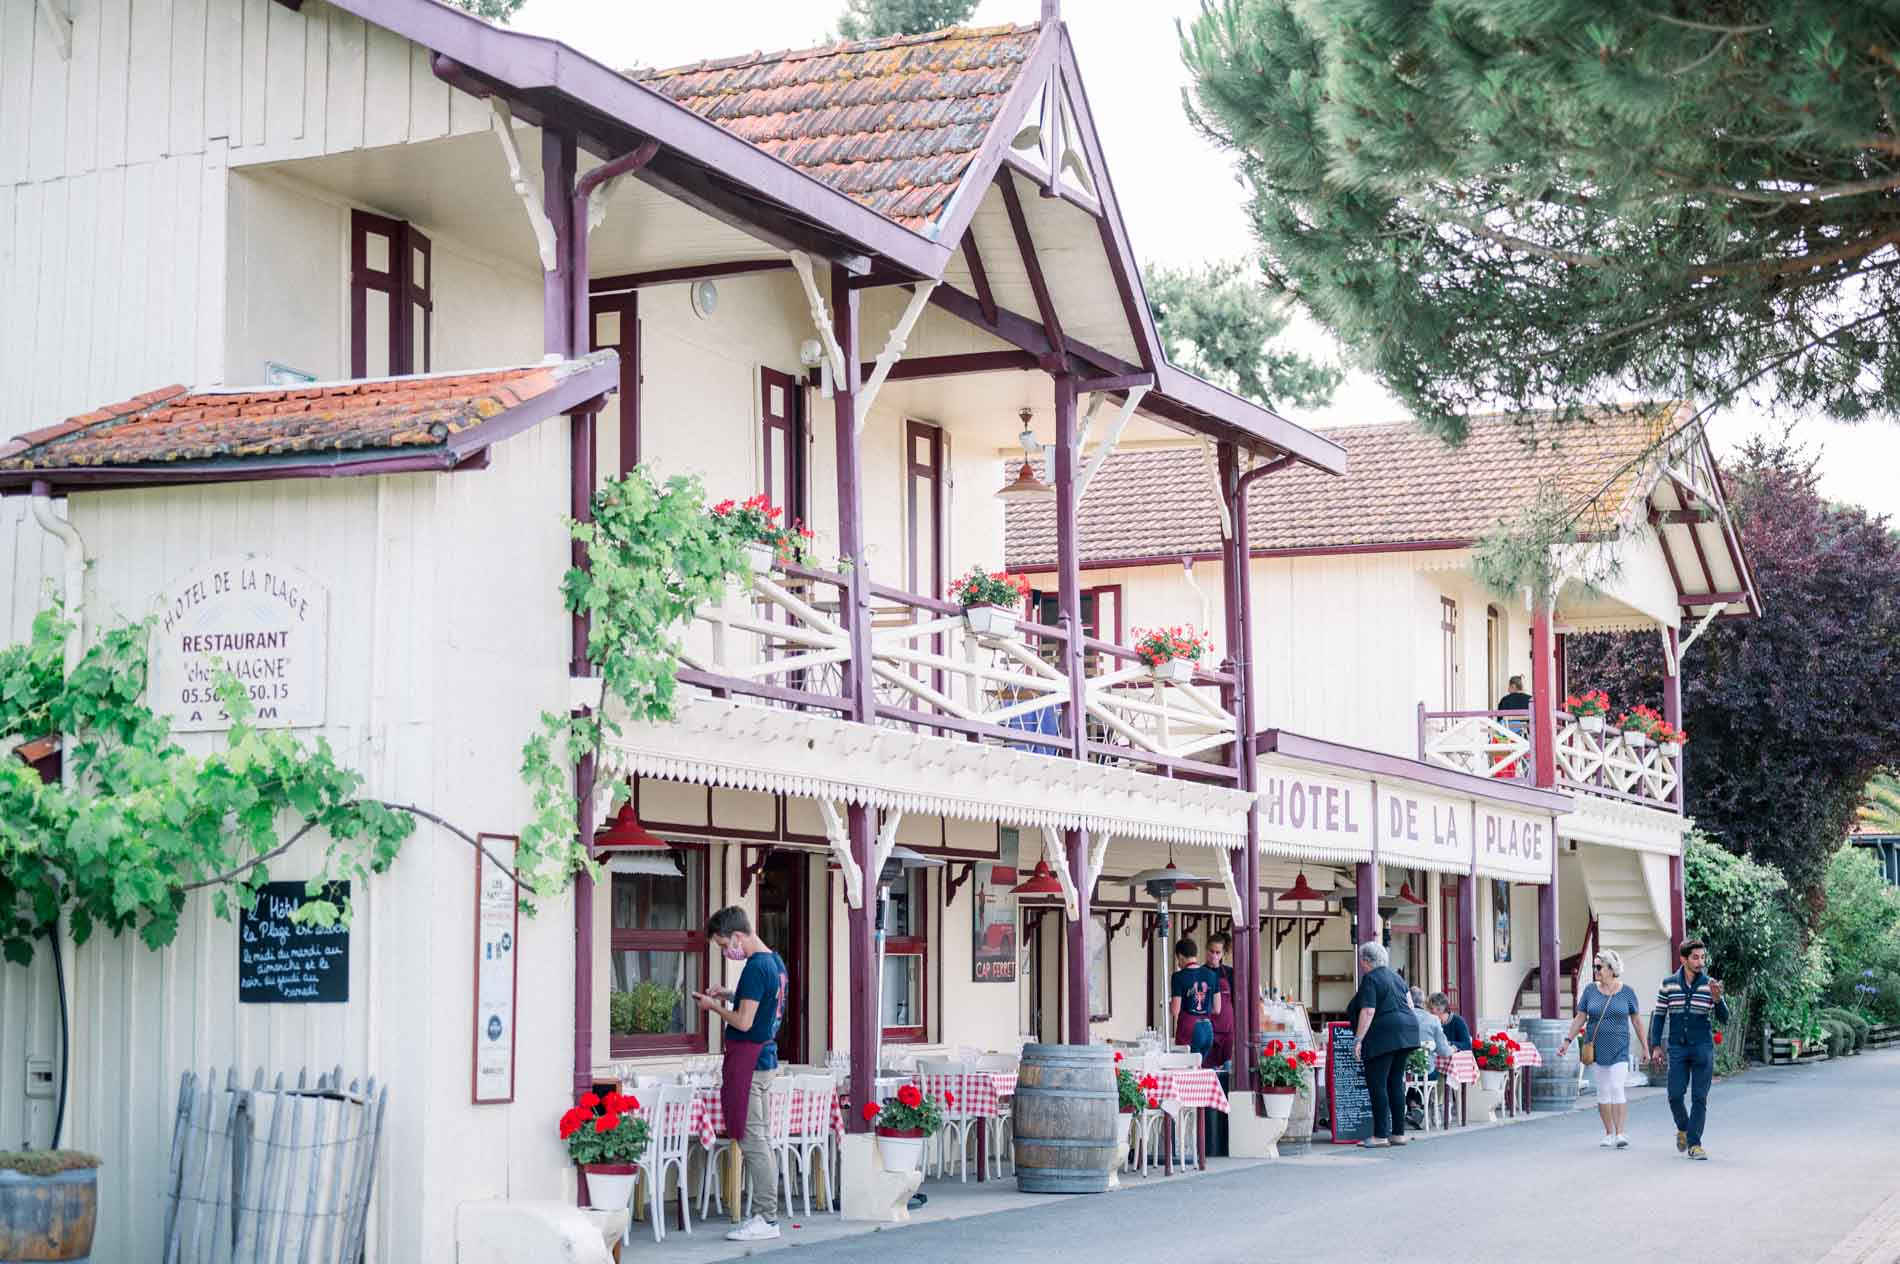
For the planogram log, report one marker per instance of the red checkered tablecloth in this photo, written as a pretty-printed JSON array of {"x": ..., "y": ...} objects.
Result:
[
  {"x": 1197, "y": 1088},
  {"x": 1459, "y": 1068},
  {"x": 708, "y": 1120},
  {"x": 985, "y": 1094},
  {"x": 1527, "y": 1055}
]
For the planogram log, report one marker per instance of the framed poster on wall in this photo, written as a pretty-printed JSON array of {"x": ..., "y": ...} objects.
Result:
[
  {"x": 1101, "y": 993},
  {"x": 993, "y": 932},
  {"x": 497, "y": 936},
  {"x": 1500, "y": 920}
]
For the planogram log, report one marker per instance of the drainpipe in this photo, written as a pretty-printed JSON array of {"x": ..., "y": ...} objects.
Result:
[
  {"x": 74, "y": 593},
  {"x": 580, "y": 220},
  {"x": 74, "y": 555}
]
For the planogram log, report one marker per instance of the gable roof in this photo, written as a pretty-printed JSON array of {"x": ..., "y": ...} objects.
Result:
[
  {"x": 892, "y": 123},
  {"x": 377, "y": 425}
]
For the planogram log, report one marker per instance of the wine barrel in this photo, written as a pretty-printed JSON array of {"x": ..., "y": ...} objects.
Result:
[
  {"x": 1067, "y": 1129},
  {"x": 48, "y": 1217},
  {"x": 1553, "y": 1085}
]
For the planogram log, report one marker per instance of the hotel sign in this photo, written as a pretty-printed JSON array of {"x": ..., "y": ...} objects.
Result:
[
  {"x": 1305, "y": 809},
  {"x": 264, "y": 623},
  {"x": 1516, "y": 845},
  {"x": 1417, "y": 827}
]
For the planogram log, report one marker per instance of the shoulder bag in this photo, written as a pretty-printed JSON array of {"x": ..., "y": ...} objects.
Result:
[{"x": 1587, "y": 1050}]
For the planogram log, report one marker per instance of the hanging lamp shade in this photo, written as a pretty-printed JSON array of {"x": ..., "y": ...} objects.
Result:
[
  {"x": 1025, "y": 486},
  {"x": 625, "y": 832},
  {"x": 1301, "y": 890},
  {"x": 1041, "y": 881},
  {"x": 1407, "y": 895}
]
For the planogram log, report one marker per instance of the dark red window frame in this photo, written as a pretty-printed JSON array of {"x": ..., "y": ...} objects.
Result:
[
  {"x": 689, "y": 940},
  {"x": 916, "y": 945},
  {"x": 411, "y": 298}
]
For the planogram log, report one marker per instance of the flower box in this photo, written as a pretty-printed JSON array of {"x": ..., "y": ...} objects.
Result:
[
  {"x": 1672, "y": 748},
  {"x": 1590, "y": 723},
  {"x": 1178, "y": 670},
  {"x": 1635, "y": 739},
  {"x": 610, "y": 1185},
  {"x": 759, "y": 557},
  {"x": 993, "y": 623},
  {"x": 49, "y": 1205},
  {"x": 902, "y": 1149}
]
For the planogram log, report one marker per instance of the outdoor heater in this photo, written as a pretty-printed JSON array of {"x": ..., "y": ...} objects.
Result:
[{"x": 1162, "y": 884}]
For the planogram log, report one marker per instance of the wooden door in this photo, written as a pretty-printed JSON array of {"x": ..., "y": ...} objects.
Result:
[{"x": 783, "y": 909}]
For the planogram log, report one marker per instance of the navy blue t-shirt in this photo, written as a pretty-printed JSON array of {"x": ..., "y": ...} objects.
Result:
[
  {"x": 762, "y": 980},
  {"x": 1196, "y": 986}
]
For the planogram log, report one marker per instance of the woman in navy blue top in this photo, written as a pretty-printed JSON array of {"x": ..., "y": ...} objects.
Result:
[
  {"x": 1456, "y": 1029},
  {"x": 1387, "y": 1032}
]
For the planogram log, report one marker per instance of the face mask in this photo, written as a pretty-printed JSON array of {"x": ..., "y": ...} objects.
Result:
[{"x": 734, "y": 952}]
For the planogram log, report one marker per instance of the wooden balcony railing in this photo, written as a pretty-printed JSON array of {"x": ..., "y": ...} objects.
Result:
[
  {"x": 1590, "y": 758},
  {"x": 782, "y": 642}
]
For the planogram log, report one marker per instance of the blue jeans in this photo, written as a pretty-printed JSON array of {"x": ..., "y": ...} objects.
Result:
[
  {"x": 1201, "y": 1036},
  {"x": 1691, "y": 1068}
]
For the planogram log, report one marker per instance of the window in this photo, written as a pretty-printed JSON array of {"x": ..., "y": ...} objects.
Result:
[
  {"x": 658, "y": 949},
  {"x": 925, "y": 508},
  {"x": 905, "y": 992},
  {"x": 1448, "y": 651},
  {"x": 1496, "y": 652},
  {"x": 782, "y": 424},
  {"x": 1101, "y": 619},
  {"x": 391, "y": 280}
]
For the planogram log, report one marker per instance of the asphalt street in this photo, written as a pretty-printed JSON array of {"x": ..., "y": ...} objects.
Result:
[{"x": 1801, "y": 1160}]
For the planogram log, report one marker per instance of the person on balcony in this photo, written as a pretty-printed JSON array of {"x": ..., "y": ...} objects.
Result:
[
  {"x": 752, "y": 1013},
  {"x": 1690, "y": 1002},
  {"x": 1195, "y": 999},
  {"x": 1609, "y": 1008},
  {"x": 1217, "y": 944},
  {"x": 1457, "y": 1030},
  {"x": 1385, "y": 1033},
  {"x": 1516, "y": 699},
  {"x": 1517, "y": 702}
]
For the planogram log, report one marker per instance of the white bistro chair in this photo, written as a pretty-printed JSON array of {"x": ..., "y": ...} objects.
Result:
[
  {"x": 808, "y": 1136},
  {"x": 958, "y": 1119},
  {"x": 670, "y": 1122}
]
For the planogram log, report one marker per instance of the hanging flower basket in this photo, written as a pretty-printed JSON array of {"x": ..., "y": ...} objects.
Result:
[
  {"x": 761, "y": 531},
  {"x": 1178, "y": 670},
  {"x": 1589, "y": 708},
  {"x": 1635, "y": 739},
  {"x": 1590, "y": 723},
  {"x": 759, "y": 557},
  {"x": 990, "y": 600},
  {"x": 1171, "y": 653},
  {"x": 991, "y": 623}
]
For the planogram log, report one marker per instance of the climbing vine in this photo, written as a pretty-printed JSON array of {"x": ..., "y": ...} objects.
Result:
[{"x": 140, "y": 822}]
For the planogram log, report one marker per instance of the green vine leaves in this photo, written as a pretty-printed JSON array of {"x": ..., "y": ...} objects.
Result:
[{"x": 1544, "y": 547}]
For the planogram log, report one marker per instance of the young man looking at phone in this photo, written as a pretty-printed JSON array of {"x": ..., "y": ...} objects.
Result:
[
  {"x": 752, "y": 1012},
  {"x": 1690, "y": 1002}
]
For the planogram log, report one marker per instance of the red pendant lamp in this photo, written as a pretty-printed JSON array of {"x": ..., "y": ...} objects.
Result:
[
  {"x": 624, "y": 832},
  {"x": 1406, "y": 894},
  {"x": 1041, "y": 881},
  {"x": 1301, "y": 890}
]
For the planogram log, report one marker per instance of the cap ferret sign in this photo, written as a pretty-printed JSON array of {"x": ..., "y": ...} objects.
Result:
[{"x": 262, "y": 621}]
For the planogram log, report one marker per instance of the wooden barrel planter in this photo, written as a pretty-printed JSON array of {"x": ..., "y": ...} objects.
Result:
[
  {"x": 49, "y": 1205},
  {"x": 1553, "y": 1085},
  {"x": 1067, "y": 1129}
]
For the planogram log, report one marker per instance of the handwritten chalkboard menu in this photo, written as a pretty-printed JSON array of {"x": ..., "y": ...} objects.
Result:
[
  {"x": 283, "y": 963},
  {"x": 1346, "y": 1097}
]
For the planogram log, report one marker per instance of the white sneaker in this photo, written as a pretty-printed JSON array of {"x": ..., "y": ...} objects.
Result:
[
  {"x": 1608, "y": 1143},
  {"x": 1622, "y": 1142},
  {"x": 757, "y": 1229}
]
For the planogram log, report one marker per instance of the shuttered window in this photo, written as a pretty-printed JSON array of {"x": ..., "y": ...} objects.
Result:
[{"x": 391, "y": 308}]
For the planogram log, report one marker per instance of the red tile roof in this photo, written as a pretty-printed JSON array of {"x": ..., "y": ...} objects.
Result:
[
  {"x": 891, "y": 123},
  {"x": 1402, "y": 487},
  {"x": 378, "y": 415}
]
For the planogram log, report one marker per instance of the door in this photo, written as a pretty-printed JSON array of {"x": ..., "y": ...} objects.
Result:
[
  {"x": 1448, "y": 941},
  {"x": 782, "y": 425},
  {"x": 782, "y": 925},
  {"x": 615, "y": 326},
  {"x": 1448, "y": 651},
  {"x": 925, "y": 510}
]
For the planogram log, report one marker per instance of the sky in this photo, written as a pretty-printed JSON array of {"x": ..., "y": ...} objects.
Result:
[{"x": 1178, "y": 192}]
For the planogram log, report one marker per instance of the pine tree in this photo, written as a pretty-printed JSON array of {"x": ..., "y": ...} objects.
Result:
[
  {"x": 876, "y": 19},
  {"x": 1510, "y": 203},
  {"x": 1219, "y": 321},
  {"x": 493, "y": 10}
]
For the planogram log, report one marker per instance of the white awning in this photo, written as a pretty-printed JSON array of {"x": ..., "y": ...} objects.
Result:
[{"x": 750, "y": 747}]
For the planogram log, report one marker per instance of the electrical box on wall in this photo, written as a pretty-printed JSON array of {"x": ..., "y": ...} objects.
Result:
[{"x": 39, "y": 1078}]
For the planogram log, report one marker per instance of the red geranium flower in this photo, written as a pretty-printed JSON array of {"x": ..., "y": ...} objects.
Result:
[
  {"x": 1118, "y": 1055},
  {"x": 1148, "y": 1081},
  {"x": 569, "y": 1127},
  {"x": 606, "y": 1123},
  {"x": 1718, "y": 1037},
  {"x": 1154, "y": 1103},
  {"x": 949, "y": 1098},
  {"x": 870, "y": 1111},
  {"x": 910, "y": 1095},
  {"x": 590, "y": 1100}
]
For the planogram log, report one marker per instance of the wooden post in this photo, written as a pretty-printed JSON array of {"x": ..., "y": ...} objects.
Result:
[
  {"x": 865, "y": 1014},
  {"x": 1069, "y": 603},
  {"x": 1544, "y": 703},
  {"x": 559, "y": 336},
  {"x": 1672, "y": 712},
  {"x": 1237, "y": 590},
  {"x": 1366, "y": 875},
  {"x": 1468, "y": 987}
]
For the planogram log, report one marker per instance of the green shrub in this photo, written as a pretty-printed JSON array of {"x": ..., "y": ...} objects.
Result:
[
  {"x": 1839, "y": 1037},
  {"x": 1857, "y": 1026},
  {"x": 46, "y": 1162},
  {"x": 645, "y": 1010}
]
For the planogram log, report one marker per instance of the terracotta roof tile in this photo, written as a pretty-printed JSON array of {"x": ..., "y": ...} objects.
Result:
[
  {"x": 1403, "y": 486},
  {"x": 891, "y": 123},
  {"x": 173, "y": 424}
]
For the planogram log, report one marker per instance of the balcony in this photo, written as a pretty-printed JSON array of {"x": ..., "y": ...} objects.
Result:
[
  {"x": 780, "y": 641},
  {"x": 1590, "y": 758}
]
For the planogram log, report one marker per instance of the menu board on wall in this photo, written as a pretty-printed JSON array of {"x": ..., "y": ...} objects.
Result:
[
  {"x": 283, "y": 963},
  {"x": 497, "y": 936},
  {"x": 1347, "y": 1101}
]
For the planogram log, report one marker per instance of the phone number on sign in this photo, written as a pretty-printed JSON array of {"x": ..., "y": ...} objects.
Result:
[{"x": 258, "y": 693}]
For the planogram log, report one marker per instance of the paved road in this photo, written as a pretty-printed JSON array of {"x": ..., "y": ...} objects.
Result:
[{"x": 1800, "y": 1159}]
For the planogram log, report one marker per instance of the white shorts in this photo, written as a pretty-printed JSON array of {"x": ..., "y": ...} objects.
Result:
[{"x": 1610, "y": 1083}]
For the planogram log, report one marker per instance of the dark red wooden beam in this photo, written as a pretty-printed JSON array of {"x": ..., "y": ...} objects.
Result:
[
  {"x": 1032, "y": 264},
  {"x": 979, "y": 277},
  {"x": 1118, "y": 382},
  {"x": 695, "y": 272},
  {"x": 953, "y": 365},
  {"x": 1691, "y": 600}
]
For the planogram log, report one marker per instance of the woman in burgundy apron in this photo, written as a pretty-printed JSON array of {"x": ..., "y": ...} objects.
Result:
[{"x": 1223, "y": 1050}]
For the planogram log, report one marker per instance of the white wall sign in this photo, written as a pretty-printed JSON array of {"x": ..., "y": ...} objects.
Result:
[
  {"x": 1515, "y": 845},
  {"x": 1420, "y": 828},
  {"x": 1308, "y": 809},
  {"x": 264, "y": 622},
  {"x": 497, "y": 939}
]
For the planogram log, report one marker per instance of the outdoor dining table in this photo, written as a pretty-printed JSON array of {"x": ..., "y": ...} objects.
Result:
[
  {"x": 989, "y": 1094},
  {"x": 707, "y": 1121},
  {"x": 1517, "y": 1085},
  {"x": 1459, "y": 1068},
  {"x": 1197, "y": 1088}
]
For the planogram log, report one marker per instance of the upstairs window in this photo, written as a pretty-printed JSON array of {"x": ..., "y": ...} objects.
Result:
[{"x": 391, "y": 280}]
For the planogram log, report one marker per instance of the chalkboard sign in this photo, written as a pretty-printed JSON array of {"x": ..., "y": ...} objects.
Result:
[
  {"x": 282, "y": 963},
  {"x": 1346, "y": 1097}
]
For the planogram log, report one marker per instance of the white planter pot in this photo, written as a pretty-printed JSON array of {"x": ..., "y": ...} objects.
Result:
[
  {"x": 994, "y": 623},
  {"x": 759, "y": 558},
  {"x": 1278, "y": 1105},
  {"x": 1590, "y": 723},
  {"x": 1672, "y": 748},
  {"x": 1635, "y": 740},
  {"x": 1493, "y": 1081},
  {"x": 901, "y": 1154},
  {"x": 1180, "y": 670},
  {"x": 607, "y": 1191}
]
